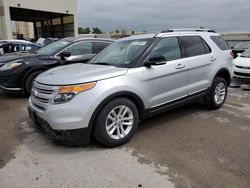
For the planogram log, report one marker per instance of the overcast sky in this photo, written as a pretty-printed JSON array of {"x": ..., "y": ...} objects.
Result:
[{"x": 157, "y": 15}]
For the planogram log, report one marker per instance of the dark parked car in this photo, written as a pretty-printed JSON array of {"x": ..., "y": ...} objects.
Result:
[
  {"x": 240, "y": 48},
  {"x": 10, "y": 46},
  {"x": 18, "y": 70}
]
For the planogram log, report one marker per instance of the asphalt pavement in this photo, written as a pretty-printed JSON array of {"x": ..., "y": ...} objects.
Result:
[{"x": 187, "y": 147}]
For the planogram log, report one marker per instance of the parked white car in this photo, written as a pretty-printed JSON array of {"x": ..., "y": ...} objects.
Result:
[{"x": 241, "y": 67}]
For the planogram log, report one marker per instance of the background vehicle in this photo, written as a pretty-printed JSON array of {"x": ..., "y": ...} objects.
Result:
[
  {"x": 19, "y": 70},
  {"x": 10, "y": 46},
  {"x": 240, "y": 48},
  {"x": 130, "y": 80},
  {"x": 241, "y": 68},
  {"x": 45, "y": 41}
]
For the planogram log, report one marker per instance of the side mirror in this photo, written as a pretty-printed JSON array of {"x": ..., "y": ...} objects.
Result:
[
  {"x": 239, "y": 54},
  {"x": 155, "y": 60},
  {"x": 64, "y": 55}
]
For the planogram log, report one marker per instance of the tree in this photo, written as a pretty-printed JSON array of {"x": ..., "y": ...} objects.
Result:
[
  {"x": 86, "y": 30},
  {"x": 80, "y": 30},
  {"x": 117, "y": 31},
  {"x": 83, "y": 30},
  {"x": 96, "y": 30}
]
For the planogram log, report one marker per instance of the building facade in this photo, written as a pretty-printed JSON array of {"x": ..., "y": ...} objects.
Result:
[{"x": 57, "y": 18}]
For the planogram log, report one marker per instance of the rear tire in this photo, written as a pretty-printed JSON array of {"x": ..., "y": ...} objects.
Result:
[
  {"x": 117, "y": 122},
  {"x": 218, "y": 94},
  {"x": 29, "y": 82}
]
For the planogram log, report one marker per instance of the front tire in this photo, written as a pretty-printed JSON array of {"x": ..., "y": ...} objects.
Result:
[
  {"x": 29, "y": 82},
  {"x": 117, "y": 122},
  {"x": 218, "y": 94}
]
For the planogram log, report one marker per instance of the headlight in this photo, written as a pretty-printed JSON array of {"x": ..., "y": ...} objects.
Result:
[
  {"x": 66, "y": 93},
  {"x": 11, "y": 65}
]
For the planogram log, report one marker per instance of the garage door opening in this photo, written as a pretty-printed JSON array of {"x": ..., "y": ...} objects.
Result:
[{"x": 42, "y": 24}]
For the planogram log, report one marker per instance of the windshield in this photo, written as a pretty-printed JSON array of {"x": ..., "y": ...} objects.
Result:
[
  {"x": 246, "y": 54},
  {"x": 122, "y": 53},
  {"x": 52, "y": 48},
  {"x": 242, "y": 45}
]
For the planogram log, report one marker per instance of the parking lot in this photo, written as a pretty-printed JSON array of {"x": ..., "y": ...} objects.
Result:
[{"x": 186, "y": 147}]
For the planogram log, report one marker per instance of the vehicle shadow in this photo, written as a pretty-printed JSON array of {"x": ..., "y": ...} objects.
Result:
[
  {"x": 38, "y": 139},
  {"x": 172, "y": 115}
]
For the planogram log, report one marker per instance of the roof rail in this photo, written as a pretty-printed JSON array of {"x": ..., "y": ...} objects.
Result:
[{"x": 189, "y": 29}]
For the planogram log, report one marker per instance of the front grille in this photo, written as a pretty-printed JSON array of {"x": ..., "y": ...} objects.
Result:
[
  {"x": 42, "y": 94},
  {"x": 242, "y": 74},
  {"x": 242, "y": 67},
  {"x": 44, "y": 91}
]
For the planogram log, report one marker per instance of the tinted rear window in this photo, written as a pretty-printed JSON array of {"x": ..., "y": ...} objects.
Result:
[
  {"x": 194, "y": 45},
  {"x": 220, "y": 42}
]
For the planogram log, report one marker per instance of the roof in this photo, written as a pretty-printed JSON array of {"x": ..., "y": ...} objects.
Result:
[
  {"x": 188, "y": 33},
  {"x": 142, "y": 36},
  {"x": 15, "y": 41},
  {"x": 75, "y": 39},
  {"x": 173, "y": 32}
]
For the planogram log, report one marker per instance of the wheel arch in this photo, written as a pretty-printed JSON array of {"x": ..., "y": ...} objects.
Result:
[
  {"x": 126, "y": 94},
  {"x": 29, "y": 72},
  {"x": 224, "y": 73}
]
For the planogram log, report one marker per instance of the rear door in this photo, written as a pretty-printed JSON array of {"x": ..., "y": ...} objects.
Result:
[{"x": 198, "y": 60}]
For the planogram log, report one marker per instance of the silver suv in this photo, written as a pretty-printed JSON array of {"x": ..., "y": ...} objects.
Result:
[{"x": 130, "y": 80}]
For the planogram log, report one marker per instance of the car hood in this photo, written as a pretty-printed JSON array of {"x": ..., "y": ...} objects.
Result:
[
  {"x": 242, "y": 61},
  {"x": 23, "y": 57},
  {"x": 5, "y": 58},
  {"x": 79, "y": 73}
]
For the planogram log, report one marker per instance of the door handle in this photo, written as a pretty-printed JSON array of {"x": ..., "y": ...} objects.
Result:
[
  {"x": 212, "y": 58},
  {"x": 180, "y": 66}
]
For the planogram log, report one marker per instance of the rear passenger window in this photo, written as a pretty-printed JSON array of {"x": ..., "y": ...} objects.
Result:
[
  {"x": 220, "y": 42},
  {"x": 206, "y": 47},
  {"x": 167, "y": 47},
  {"x": 194, "y": 45},
  {"x": 80, "y": 48}
]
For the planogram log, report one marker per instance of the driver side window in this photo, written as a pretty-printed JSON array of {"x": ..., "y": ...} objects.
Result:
[
  {"x": 80, "y": 48},
  {"x": 167, "y": 47}
]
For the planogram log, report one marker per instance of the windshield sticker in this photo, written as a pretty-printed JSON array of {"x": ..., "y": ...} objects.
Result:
[{"x": 139, "y": 43}]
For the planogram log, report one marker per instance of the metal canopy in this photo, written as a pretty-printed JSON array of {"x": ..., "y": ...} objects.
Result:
[{"x": 27, "y": 15}]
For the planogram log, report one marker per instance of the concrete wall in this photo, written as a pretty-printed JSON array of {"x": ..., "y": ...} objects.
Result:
[
  {"x": 5, "y": 25},
  {"x": 58, "y": 6},
  {"x": 236, "y": 36}
]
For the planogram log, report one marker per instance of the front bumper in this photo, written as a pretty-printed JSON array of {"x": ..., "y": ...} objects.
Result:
[
  {"x": 68, "y": 122},
  {"x": 241, "y": 80},
  {"x": 11, "y": 83},
  {"x": 11, "y": 89},
  {"x": 241, "y": 75},
  {"x": 66, "y": 137}
]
